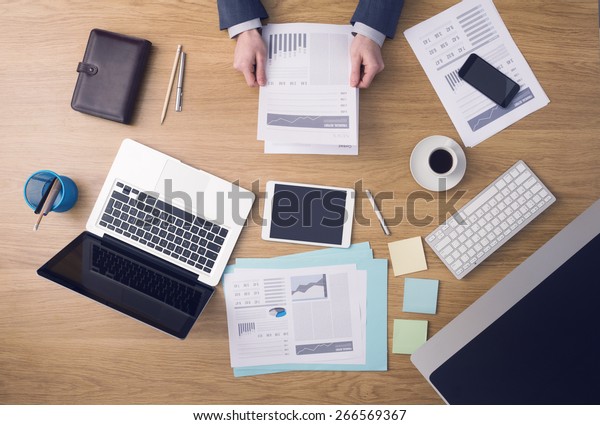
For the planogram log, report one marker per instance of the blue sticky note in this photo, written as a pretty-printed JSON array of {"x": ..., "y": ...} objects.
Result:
[{"x": 420, "y": 295}]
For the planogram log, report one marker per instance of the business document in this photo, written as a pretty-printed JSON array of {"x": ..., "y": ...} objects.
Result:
[
  {"x": 444, "y": 42},
  {"x": 308, "y": 105},
  {"x": 309, "y": 315}
]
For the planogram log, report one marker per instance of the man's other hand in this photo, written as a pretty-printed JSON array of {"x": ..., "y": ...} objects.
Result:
[
  {"x": 367, "y": 61},
  {"x": 250, "y": 56}
]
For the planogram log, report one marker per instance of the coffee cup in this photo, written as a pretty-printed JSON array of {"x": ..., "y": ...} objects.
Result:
[
  {"x": 438, "y": 163},
  {"x": 442, "y": 160}
]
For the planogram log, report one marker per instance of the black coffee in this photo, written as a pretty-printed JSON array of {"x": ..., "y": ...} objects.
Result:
[{"x": 441, "y": 161}]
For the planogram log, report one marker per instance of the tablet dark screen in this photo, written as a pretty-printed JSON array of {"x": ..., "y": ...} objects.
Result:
[{"x": 308, "y": 214}]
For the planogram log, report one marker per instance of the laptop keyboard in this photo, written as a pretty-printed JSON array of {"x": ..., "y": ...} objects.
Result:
[
  {"x": 156, "y": 285},
  {"x": 494, "y": 216},
  {"x": 163, "y": 228}
]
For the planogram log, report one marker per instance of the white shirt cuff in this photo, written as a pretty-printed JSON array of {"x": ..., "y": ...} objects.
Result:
[
  {"x": 367, "y": 31},
  {"x": 244, "y": 26}
]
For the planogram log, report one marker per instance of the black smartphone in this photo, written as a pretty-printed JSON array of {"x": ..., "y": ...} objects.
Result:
[{"x": 488, "y": 80}]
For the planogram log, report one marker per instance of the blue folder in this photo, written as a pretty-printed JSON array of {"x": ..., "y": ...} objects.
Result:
[{"x": 376, "y": 338}]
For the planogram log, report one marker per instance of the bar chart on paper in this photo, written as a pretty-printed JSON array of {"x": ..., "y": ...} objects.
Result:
[
  {"x": 283, "y": 43},
  {"x": 307, "y": 99},
  {"x": 442, "y": 45}
]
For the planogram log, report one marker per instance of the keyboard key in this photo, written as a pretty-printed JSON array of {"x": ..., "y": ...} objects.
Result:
[
  {"x": 441, "y": 244},
  {"x": 523, "y": 177},
  {"x": 213, "y": 247},
  {"x": 529, "y": 183},
  {"x": 120, "y": 197}
]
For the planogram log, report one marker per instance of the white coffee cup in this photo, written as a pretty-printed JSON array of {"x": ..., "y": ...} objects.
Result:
[{"x": 442, "y": 159}]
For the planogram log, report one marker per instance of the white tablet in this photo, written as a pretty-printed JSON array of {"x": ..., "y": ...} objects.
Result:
[{"x": 308, "y": 214}]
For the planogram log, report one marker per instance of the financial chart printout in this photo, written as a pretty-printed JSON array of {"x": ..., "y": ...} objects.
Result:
[
  {"x": 310, "y": 315},
  {"x": 444, "y": 42},
  {"x": 308, "y": 99}
]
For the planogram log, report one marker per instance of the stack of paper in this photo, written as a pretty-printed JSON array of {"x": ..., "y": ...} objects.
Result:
[
  {"x": 308, "y": 312},
  {"x": 308, "y": 106},
  {"x": 442, "y": 45}
]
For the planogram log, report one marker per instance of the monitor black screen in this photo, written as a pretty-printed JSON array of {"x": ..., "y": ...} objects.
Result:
[{"x": 543, "y": 350}]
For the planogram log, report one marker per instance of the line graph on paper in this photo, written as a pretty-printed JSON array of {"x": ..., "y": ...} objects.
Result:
[
  {"x": 303, "y": 121},
  {"x": 312, "y": 287},
  {"x": 328, "y": 347},
  {"x": 326, "y": 109}
]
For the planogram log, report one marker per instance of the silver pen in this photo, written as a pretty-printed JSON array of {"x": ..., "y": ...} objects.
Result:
[
  {"x": 180, "y": 83},
  {"x": 377, "y": 212}
]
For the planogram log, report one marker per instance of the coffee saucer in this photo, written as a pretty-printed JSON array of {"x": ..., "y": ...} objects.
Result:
[{"x": 424, "y": 176}]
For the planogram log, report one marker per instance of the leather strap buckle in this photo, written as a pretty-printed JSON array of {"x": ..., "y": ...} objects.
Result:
[{"x": 87, "y": 68}]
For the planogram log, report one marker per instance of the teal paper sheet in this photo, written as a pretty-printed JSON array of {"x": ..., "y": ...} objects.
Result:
[{"x": 362, "y": 256}]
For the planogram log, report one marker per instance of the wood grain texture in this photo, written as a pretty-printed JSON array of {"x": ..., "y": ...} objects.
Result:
[{"x": 58, "y": 347}]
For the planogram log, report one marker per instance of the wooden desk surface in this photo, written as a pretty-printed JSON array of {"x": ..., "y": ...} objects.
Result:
[{"x": 58, "y": 347}]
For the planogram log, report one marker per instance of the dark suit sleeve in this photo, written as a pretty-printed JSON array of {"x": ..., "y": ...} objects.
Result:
[
  {"x": 233, "y": 12},
  {"x": 382, "y": 15}
]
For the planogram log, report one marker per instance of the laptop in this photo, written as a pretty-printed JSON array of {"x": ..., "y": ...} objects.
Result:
[
  {"x": 532, "y": 338},
  {"x": 157, "y": 241}
]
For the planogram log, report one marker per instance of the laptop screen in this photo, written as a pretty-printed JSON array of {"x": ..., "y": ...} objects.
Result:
[{"x": 130, "y": 281}]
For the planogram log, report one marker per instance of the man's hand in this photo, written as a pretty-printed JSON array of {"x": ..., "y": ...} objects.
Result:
[
  {"x": 366, "y": 59},
  {"x": 250, "y": 56}
]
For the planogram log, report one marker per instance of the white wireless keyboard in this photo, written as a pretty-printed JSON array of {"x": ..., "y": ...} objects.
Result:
[{"x": 483, "y": 225}]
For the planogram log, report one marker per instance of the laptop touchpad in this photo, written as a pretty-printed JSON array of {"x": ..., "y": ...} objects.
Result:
[{"x": 182, "y": 185}]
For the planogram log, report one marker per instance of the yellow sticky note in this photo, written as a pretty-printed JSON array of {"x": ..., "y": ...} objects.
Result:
[{"x": 407, "y": 256}]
